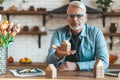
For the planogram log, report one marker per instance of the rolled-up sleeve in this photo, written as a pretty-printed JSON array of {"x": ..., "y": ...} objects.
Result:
[
  {"x": 101, "y": 49},
  {"x": 51, "y": 57}
]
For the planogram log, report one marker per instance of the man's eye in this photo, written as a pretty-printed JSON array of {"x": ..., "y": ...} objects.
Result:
[
  {"x": 79, "y": 16},
  {"x": 72, "y": 16}
]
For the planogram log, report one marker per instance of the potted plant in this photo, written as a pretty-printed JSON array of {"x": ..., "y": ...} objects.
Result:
[
  {"x": 104, "y": 4},
  {"x": 8, "y": 30},
  {"x": 1, "y": 2}
]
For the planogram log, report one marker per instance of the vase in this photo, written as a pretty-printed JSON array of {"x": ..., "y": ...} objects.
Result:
[
  {"x": 3, "y": 60},
  {"x": 113, "y": 27}
]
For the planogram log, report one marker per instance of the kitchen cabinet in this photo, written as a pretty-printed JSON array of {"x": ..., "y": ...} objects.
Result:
[{"x": 41, "y": 13}]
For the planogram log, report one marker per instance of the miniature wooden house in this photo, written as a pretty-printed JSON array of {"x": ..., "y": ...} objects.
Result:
[
  {"x": 66, "y": 46},
  {"x": 99, "y": 69},
  {"x": 51, "y": 71}
]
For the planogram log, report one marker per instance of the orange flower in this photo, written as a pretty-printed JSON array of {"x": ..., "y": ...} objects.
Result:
[
  {"x": 0, "y": 25},
  {"x": 4, "y": 32},
  {"x": 13, "y": 33},
  {"x": 4, "y": 26}
]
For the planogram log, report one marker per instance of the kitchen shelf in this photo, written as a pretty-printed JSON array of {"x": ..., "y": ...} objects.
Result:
[
  {"x": 32, "y": 33},
  {"x": 111, "y": 35},
  {"x": 23, "y": 12},
  {"x": 8, "y": 13},
  {"x": 39, "y": 13},
  {"x": 109, "y": 14}
]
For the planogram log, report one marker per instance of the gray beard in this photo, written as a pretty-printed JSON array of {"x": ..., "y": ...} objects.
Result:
[{"x": 76, "y": 28}]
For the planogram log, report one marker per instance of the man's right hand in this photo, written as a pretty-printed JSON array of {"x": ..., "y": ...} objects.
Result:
[{"x": 61, "y": 53}]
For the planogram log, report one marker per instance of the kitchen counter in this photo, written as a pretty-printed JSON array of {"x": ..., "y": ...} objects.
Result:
[{"x": 70, "y": 75}]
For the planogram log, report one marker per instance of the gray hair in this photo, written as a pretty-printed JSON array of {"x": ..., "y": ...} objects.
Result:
[{"x": 78, "y": 4}]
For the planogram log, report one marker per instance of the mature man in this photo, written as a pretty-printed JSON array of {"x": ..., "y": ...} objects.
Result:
[{"x": 88, "y": 43}]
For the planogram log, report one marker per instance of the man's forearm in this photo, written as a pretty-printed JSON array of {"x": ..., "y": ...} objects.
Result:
[{"x": 87, "y": 65}]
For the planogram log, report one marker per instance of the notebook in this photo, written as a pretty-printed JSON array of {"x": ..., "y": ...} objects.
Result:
[
  {"x": 113, "y": 72},
  {"x": 25, "y": 72}
]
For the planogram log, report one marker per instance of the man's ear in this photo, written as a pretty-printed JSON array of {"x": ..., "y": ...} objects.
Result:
[{"x": 66, "y": 17}]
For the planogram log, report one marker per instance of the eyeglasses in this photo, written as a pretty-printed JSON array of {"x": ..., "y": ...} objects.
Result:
[{"x": 71, "y": 16}]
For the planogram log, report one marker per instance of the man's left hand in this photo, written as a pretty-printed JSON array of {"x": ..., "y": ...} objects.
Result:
[{"x": 68, "y": 66}]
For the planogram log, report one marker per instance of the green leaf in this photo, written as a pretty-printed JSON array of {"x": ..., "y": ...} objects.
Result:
[
  {"x": 1, "y": 1},
  {"x": 104, "y": 3}
]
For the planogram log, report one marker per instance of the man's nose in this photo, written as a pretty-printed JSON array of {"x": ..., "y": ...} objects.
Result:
[{"x": 75, "y": 18}]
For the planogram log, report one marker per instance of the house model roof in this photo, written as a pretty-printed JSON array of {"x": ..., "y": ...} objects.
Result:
[{"x": 50, "y": 67}]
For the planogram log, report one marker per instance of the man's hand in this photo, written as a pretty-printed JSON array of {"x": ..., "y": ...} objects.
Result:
[
  {"x": 68, "y": 66},
  {"x": 61, "y": 53}
]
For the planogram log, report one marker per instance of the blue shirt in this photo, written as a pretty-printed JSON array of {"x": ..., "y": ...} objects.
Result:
[{"x": 92, "y": 46}]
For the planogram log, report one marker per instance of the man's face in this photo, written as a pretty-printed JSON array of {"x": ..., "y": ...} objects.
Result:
[{"x": 76, "y": 17}]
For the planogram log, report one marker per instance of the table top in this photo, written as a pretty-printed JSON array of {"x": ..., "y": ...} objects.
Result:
[{"x": 61, "y": 75}]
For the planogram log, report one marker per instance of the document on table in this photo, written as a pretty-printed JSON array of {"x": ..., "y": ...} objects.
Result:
[{"x": 25, "y": 72}]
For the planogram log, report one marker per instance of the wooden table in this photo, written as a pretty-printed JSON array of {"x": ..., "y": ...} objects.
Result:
[{"x": 71, "y": 75}]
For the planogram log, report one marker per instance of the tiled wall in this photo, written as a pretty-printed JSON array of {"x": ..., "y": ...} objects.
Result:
[{"x": 27, "y": 45}]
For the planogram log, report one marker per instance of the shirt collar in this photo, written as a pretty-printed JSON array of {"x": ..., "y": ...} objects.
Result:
[{"x": 83, "y": 33}]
